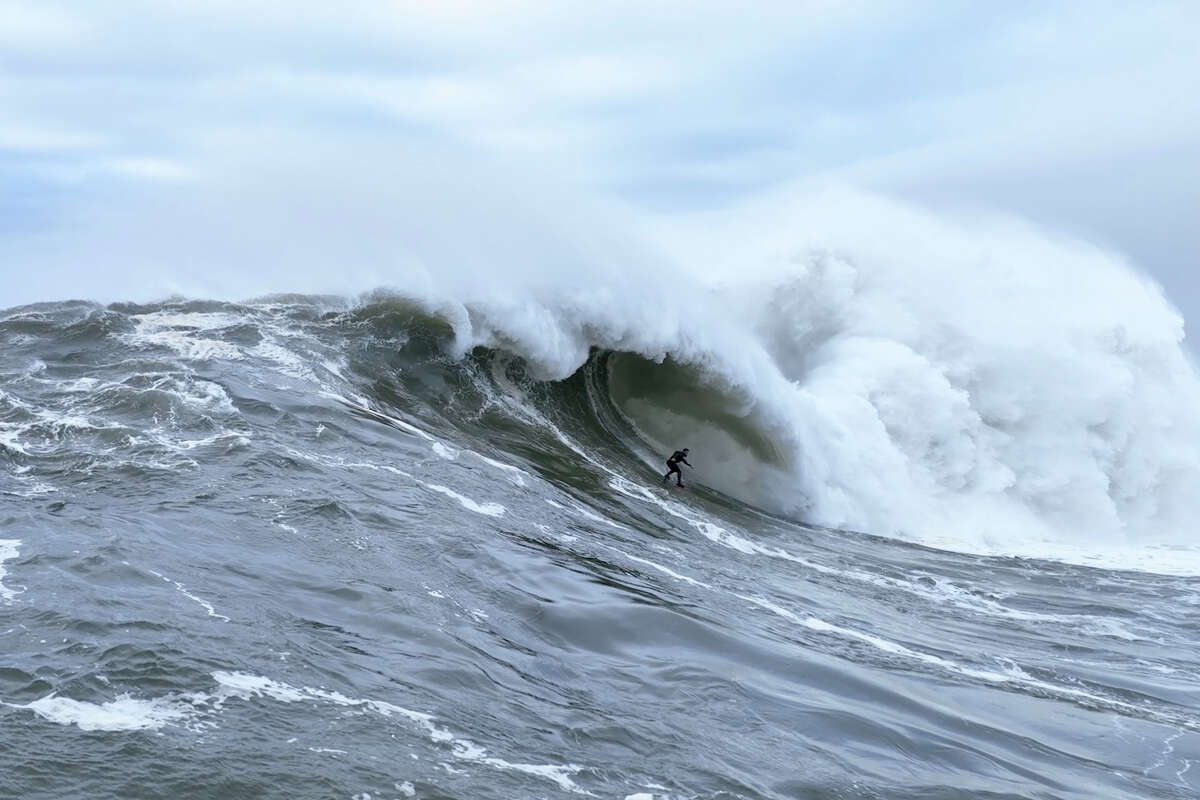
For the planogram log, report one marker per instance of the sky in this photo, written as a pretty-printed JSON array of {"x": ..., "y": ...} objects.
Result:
[{"x": 1078, "y": 116}]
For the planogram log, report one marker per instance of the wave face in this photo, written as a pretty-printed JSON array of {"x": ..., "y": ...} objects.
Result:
[{"x": 407, "y": 547}]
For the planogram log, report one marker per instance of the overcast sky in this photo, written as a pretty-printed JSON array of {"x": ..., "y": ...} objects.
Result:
[{"x": 1083, "y": 116}]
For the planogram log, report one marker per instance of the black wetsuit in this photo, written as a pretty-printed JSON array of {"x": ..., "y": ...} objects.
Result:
[{"x": 673, "y": 467}]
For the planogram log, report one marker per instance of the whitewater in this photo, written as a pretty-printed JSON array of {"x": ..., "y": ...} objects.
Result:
[{"x": 398, "y": 529}]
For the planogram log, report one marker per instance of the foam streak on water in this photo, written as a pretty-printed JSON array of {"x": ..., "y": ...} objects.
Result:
[{"x": 8, "y": 550}]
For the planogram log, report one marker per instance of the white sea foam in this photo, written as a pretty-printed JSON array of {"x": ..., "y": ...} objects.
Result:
[
  {"x": 124, "y": 713},
  {"x": 363, "y": 405},
  {"x": 187, "y": 320},
  {"x": 234, "y": 439},
  {"x": 245, "y": 685},
  {"x": 33, "y": 488},
  {"x": 8, "y": 551},
  {"x": 183, "y": 333},
  {"x": 665, "y": 570},
  {"x": 442, "y": 451},
  {"x": 515, "y": 474},
  {"x": 594, "y": 517},
  {"x": 203, "y": 395},
  {"x": 10, "y": 439},
  {"x": 487, "y": 509},
  {"x": 207, "y": 606},
  {"x": 187, "y": 345},
  {"x": 285, "y": 360},
  {"x": 49, "y": 427},
  {"x": 1112, "y": 628},
  {"x": 86, "y": 385}
]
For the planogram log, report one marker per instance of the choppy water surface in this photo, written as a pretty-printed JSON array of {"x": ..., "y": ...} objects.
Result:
[{"x": 295, "y": 549}]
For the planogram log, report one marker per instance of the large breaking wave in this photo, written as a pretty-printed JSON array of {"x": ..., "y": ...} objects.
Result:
[
  {"x": 842, "y": 360},
  {"x": 989, "y": 388}
]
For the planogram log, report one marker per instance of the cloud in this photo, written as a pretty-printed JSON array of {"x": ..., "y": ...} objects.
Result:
[
  {"x": 29, "y": 26},
  {"x": 45, "y": 140},
  {"x": 670, "y": 106}
]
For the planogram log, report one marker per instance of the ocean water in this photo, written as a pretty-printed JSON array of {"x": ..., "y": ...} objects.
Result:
[{"x": 389, "y": 548}]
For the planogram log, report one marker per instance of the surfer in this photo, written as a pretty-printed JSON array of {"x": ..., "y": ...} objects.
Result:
[{"x": 673, "y": 466}]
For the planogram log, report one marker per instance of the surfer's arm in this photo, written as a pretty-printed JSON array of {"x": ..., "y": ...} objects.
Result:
[{"x": 684, "y": 460}]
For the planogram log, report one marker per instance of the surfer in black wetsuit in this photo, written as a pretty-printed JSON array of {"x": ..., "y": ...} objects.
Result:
[{"x": 673, "y": 466}]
